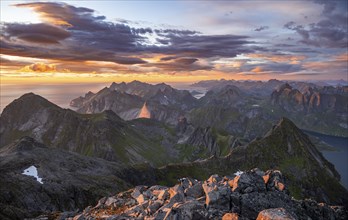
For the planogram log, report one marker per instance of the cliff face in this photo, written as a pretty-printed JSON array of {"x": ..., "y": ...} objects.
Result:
[
  {"x": 125, "y": 105},
  {"x": 323, "y": 110},
  {"x": 311, "y": 100}
]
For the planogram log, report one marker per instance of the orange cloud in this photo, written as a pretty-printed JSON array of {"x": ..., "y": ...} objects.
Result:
[
  {"x": 257, "y": 70},
  {"x": 39, "y": 67}
]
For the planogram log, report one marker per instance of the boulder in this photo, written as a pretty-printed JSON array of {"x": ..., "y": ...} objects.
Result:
[
  {"x": 248, "y": 182},
  {"x": 217, "y": 196},
  {"x": 154, "y": 206},
  {"x": 110, "y": 201},
  {"x": 214, "y": 178},
  {"x": 230, "y": 216},
  {"x": 275, "y": 214},
  {"x": 163, "y": 195},
  {"x": 195, "y": 191},
  {"x": 253, "y": 203},
  {"x": 188, "y": 210},
  {"x": 187, "y": 182},
  {"x": 274, "y": 180}
]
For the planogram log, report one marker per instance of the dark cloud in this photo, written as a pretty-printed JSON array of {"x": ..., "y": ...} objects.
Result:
[
  {"x": 279, "y": 68},
  {"x": 186, "y": 61},
  {"x": 261, "y": 28},
  {"x": 35, "y": 33},
  {"x": 85, "y": 37},
  {"x": 331, "y": 31},
  {"x": 73, "y": 53},
  {"x": 284, "y": 45},
  {"x": 128, "y": 60},
  {"x": 206, "y": 46},
  {"x": 329, "y": 6},
  {"x": 325, "y": 33},
  {"x": 179, "y": 64},
  {"x": 168, "y": 58}
]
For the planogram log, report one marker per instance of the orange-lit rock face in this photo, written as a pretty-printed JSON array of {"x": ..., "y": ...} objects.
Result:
[
  {"x": 266, "y": 178},
  {"x": 144, "y": 112}
]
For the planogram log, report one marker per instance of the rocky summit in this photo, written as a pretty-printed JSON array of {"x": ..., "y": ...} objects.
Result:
[{"x": 246, "y": 195}]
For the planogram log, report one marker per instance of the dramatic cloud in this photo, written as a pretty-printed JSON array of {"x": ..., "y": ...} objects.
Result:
[
  {"x": 331, "y": 31},
  {"x": 173, "y": 64},
  {"x": 325, "y": 33},
  {"x": 35, "y": 33},
  {"x": 85, "y": 37},
  {"x": 205, "y": 46},
  {"x": 261, "y": 28},
  {"x": 66, "y": 15},
  {"x": 78, "y": 39}
]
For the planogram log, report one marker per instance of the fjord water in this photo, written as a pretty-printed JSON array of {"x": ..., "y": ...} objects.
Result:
[{"x": 339, "y": 157}]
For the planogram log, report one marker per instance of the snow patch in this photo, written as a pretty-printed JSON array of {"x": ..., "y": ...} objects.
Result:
[{"x": 32, "y": 171}]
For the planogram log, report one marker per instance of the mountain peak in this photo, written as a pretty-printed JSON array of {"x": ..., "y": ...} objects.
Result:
[
  {"x": 294, "y": 143},
  {"x": 285, "y": 122},
  {"x": 27, "y": 102}
]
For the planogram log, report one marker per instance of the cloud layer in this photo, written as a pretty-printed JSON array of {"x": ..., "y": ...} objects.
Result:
[{"x": 76, "y": 39}]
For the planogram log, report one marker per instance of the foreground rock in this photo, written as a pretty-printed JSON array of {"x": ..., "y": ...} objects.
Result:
[{"x": 245, "y": 195}]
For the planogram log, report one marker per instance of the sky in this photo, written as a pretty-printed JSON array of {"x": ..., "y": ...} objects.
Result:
[{"x": 172, "y": 41}]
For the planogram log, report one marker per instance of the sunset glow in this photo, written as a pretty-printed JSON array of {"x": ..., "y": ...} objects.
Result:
[{"x": 83, "y": 41}]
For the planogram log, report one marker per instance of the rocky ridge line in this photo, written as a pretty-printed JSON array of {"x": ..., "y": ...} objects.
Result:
[{"x": 245, "y": 195}]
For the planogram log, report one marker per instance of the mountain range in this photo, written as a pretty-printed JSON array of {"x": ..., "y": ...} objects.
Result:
[
  {"x": 243, "y": 109},
  {"x": 132, "y": 134}
]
